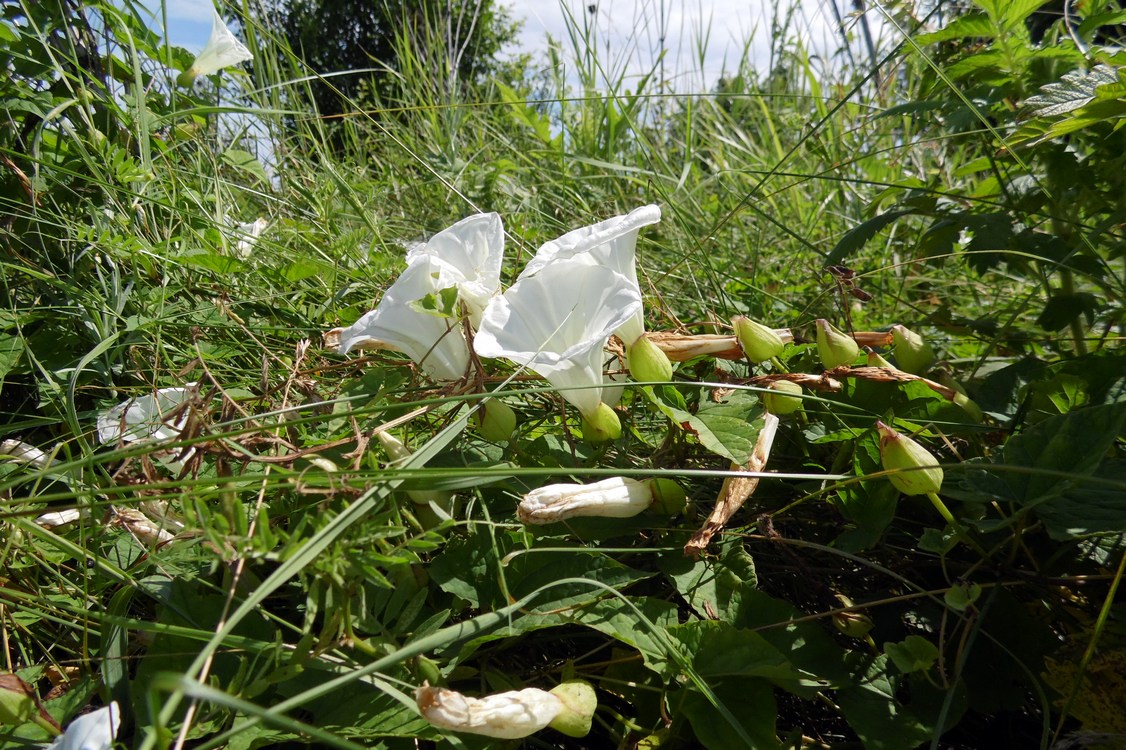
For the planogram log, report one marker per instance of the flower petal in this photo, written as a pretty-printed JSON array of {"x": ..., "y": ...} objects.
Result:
[
  {"x": 511, "y": 715},
  {"x": 557, "y": 322},
  {"x": 155, "y": 417},
  {"x": 611, "y": 243},
  {"x": 617, "y": 497},
  {"x": 434, "y": 342},
  {"x": 92, "y": 731},
  {"x": 470, "y": 254},
  {"x": 222, "y": 49}
]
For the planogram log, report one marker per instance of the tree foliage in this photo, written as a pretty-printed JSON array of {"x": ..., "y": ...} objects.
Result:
[{"x": 370, "y": 40}]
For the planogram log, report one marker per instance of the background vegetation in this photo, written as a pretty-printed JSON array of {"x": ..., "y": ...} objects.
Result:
[{"x": 973, "y": 181}]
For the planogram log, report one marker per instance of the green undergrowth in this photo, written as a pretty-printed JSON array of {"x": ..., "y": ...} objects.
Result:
[{"x": 266, "y": 576}]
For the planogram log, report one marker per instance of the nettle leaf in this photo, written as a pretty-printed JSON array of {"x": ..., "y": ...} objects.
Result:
[
  {"x": 443, "y": 304},
  {"x": 856, "y": 237},
  {"x": 1072, "y": 91}
]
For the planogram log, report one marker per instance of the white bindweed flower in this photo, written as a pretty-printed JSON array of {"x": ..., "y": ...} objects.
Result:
[
  {"x": 24, "y": 453},
  {"x": 93, "y": 731},
  {"x": 617, "y": 497},
  {"x": 433, "y": 341},
  {"x": 161, "y": 416},
  {"x": 222, "y": 49},
  {"x": 246, "y": 236},
  {"x": 509, "y": 716},
  {"x": 611, "y": 243},
  {"x": 557, "y": 322},
  {"x": 469, "y": 256},
  {"x": 60, "y": 518}
]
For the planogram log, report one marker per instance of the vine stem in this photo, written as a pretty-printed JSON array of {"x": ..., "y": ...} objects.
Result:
[{"x": 959, "y": 529}]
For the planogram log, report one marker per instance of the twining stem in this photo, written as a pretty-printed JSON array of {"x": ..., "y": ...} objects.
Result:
[
  {"x": 1067, "y": 286},
  {"x": 959, "y": 529}
]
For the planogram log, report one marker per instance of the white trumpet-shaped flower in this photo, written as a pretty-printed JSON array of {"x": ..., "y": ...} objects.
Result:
[
  {"x": 611, "y": 243},
  {"x": 556, "y": 322},
  {"x": 160, "y": 416},
  {"x": 509, "y": 716},
  {"x": 93, "y": 731},
  {"x": 617, "y": 497},
  {"x": 469, "y": 256},
  {"x": 222, "y": 49},
  {"x": 433, "y": 341},
  {"x": 246, "y": 236}
]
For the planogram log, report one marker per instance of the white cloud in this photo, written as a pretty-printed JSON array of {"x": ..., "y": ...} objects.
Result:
[{"x": 701, "y": 38}]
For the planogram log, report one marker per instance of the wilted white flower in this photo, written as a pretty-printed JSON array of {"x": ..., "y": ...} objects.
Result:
[
  {"x": 557, "y": 322},
  {"x": 161, "y": 416},
  {"x": 222, "y": 49},
  {"x": 433, "y": 341},
  {"x": 469, "y": 256},
  {"x": 59, "y": 518},
  {"x": 93, "y": 731},
  {"x": 617, "y": 497},
  {"x": 508, "y": 716},
  {"x": 24, "y": 453},
  {"x": 247, "y": 236},
  {"x": 141, "y": 527}
]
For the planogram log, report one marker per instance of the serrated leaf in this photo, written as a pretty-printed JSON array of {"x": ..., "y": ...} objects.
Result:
[{"x": 1072, "y": 91}]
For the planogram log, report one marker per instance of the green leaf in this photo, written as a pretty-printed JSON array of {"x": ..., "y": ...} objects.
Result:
[
  {"x": 749, "y": 700},
  {"x": 1074, "y": 90},
  {"x": 712, "y": 586},
  {"x": 913, "y": 654},
  {"x": 969, "y": 26},
  {"x": 443, "y": 304},
  {"x": 869, "y": 504},
  {"x": 718, "y": 649},
  {"x": 11, "y": 352},
  {"x": 870, "y": 707},
  {"x": 729, "y": 429},
  {"x": 856, "y": 237},
  {"x": 1073, "y": 446},
  {"x": 245, "y": 162}
]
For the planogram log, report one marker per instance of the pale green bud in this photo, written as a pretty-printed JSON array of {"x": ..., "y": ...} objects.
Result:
[
  {"x": 916, "y": 471},
  {"x": 784, "y": 398},
  {"x": 399, "y": 453},
  {"x": 602, "y": 425},
  {"x": 496, "y": 421},
  {"x": 758, "y": 342},
  {"x": 579, "y": 704},
  {"x": 912, "y": 352},
  {"x": 875, "y": 360},
  {"x": 853, "y": 624},
  {"x": 647, "y": 363},
  {"x": 834, "y": 347},
  {"x": 669, "y": 497}
]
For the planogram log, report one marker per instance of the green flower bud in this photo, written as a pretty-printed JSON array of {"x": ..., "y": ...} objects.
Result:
[
  {"x": 834, "y": 347},
  {"x": 913, "y": 354},
  {"x": 785, "y": 398},
  {"x": 669, "y": 498},
  {"x": 399, "y": 453},
  {"x": 647, "y": 363},
  {"x": 875, "y": 360},
  {"x": 496, "y": 421},
  {"x": 758, "y": 342},
  {"x": 916, "y": 470},
  {"x": 602, "y": 425},
  {"x": 579, "y": 704},
  {"x": 853, "y": 624}
]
